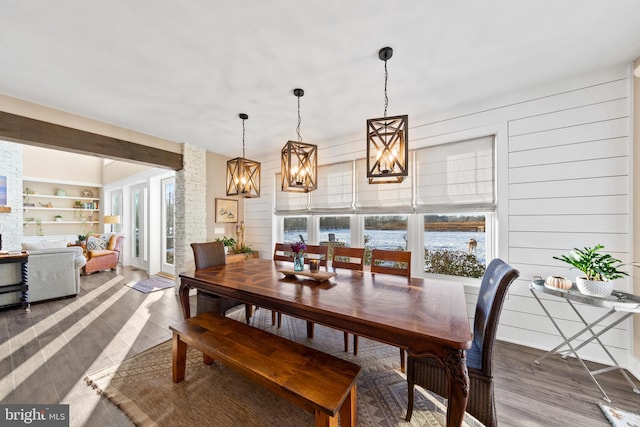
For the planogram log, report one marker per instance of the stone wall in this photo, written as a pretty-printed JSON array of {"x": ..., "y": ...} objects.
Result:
[
  {"x": 11, "y": 167},
  {"x": 191, "y": 208}
]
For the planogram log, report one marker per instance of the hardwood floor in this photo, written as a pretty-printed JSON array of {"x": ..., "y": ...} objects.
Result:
[{"x": 45, "y": 355}]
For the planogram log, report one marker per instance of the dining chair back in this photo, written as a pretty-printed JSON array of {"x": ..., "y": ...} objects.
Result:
[
  {"x": 429, "y": 373},
  {"x": 319, "y": 252},
  {"x": 350, "y": 258},
  {"x": 282, "y": 252},
  {"x": 391, "y": 262},
  {"x": 387, "y": 262},
  {"x": 206, "y": 255}
]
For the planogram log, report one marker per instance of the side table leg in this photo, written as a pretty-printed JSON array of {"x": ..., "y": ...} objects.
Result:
[{"x": 24, "y": 298}]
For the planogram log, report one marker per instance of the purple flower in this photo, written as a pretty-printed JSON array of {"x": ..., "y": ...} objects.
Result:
[{"x": 298, "y": 247}]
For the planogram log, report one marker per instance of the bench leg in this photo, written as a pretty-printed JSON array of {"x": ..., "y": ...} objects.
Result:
[
  {"x": 348, "y": 409},
  {"x": 208, "y": 360},
  {"x": 325, "y": 420},
  {"x": 276, "y": 318},
  {"x": 310, "y": 328},
  {"x": 179, "y": 358}
]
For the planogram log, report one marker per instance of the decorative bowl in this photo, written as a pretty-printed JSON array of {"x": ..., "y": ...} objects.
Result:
[{"x": 594, "y": 288}]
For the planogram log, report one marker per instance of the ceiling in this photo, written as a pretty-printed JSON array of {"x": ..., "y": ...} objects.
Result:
[{"x": 184, "y": 70}]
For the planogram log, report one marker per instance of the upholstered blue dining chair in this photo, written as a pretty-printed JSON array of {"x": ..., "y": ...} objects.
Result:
[{"x": 429, "y": 373}]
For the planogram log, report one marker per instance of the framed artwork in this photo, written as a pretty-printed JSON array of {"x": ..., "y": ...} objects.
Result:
[{"x": 226, "y": 210}]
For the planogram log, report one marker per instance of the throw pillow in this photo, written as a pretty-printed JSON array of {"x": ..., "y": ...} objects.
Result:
[
  {"x": 95, "y": 244},
  {"x": 104, "y": 240}
]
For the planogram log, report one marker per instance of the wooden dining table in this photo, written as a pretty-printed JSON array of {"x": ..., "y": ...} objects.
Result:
[{"x": 423, "y": 317}]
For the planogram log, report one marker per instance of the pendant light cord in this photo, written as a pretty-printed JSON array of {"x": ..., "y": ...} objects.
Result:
[
  {"x": 243, "y": 156},
  {"x": 299, "y": 122},
  {"x": 386, "y": 98}
]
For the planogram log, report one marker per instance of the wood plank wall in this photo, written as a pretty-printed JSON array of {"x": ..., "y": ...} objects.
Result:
[{"x": 563, "y": 181}]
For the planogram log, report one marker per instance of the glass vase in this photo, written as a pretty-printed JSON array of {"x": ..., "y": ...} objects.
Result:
[{"x": 298, "y": 262}]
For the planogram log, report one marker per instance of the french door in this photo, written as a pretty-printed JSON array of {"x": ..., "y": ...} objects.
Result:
[
  {"x": 167, "y": 265},
  {"x": 139, "y": 225}
]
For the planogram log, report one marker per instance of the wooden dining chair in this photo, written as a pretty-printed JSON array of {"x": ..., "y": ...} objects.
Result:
[
  {"x": 397, "y": 263},
  {"x": 282, "y": 252},
  {"x": 351, "y": 259},
  {"x": 429, "y": 373},
  {"x": 206, "y": 255},
  {"x": 319, "y": 252},
  {"x": 391, "y": 262}
]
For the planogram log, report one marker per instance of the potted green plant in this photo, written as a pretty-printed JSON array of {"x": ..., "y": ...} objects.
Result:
[
  {"x": 58, "y": 218},
  {"x": 242, "y": 249},
  {"x": 599, "y": 269},
  {"x": 228, "y": 242}
]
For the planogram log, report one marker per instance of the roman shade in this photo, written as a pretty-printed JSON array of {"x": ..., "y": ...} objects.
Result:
[
  {"x": 382, "y": 198},
  {"x": 456, "y": 177},
  {"x": 335, "y": 189},
  {"x": 289, "y": 203}
]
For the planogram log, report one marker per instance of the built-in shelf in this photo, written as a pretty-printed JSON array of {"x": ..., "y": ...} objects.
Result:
[
  {"x": 44, "y": 200},
  {"x": 64, "y": 222},
  {"x": 40, "y": 208},
  {"x": 51, "y": 196}
]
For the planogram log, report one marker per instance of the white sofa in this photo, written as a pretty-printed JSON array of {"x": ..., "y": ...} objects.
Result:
[{"x": 53, "y": 272}]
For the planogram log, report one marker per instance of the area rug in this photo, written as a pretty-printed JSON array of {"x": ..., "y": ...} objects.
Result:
[
  {"x": 213, "y": 395},
  {"x": 619, "y": 418},
  {"x": 152, "y": 284}
]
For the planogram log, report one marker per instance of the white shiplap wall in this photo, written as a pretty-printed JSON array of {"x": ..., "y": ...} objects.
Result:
[{"x": 563, "y": 164}]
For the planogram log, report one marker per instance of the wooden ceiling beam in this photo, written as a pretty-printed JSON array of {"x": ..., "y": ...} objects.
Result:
[{"x": 30, "y": 131}]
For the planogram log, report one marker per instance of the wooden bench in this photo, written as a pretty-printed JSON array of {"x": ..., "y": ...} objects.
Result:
[{"x": 317, "y": 382}]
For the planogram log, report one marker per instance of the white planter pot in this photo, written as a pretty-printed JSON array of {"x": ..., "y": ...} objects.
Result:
[{"x": 594, "y": 288}]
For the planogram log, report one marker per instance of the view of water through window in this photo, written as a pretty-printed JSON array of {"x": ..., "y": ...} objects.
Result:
[{"x": 448, "y": 239}]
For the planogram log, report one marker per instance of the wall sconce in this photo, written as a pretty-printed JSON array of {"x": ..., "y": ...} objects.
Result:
[
  {"x": 243, "y": 175},
  {"x": 387, "y": 137},
  {"x": 299, "y": 161}
]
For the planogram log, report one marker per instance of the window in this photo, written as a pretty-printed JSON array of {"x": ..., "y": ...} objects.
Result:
[
  {"x": 335, "y": 230},
  {"x": 455, "y": 245},
  {"x": 116, "y": 209},
  {"x": 294, "y": 228},
  {"x": 450, "y": 194},
  {"x": 385, "y": 232}
]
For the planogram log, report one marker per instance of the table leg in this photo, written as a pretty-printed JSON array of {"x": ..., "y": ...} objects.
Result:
[
  {"x": 183, "y": 293},
  {"x": 179, "y": 351},
  {"x": 455, "y": 365}
]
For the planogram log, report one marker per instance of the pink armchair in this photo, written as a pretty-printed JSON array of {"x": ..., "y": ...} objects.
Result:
[{"x": 104, "y": 259}]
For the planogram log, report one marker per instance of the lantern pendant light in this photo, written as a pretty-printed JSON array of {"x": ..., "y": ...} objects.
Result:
[
  {"x": 387, "y": 149},
  {"x": 243, "y": 175},
  {"x": 299, "y": 161}
]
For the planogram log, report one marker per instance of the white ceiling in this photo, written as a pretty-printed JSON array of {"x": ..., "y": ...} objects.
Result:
[{"x": 183, "y": 70}]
